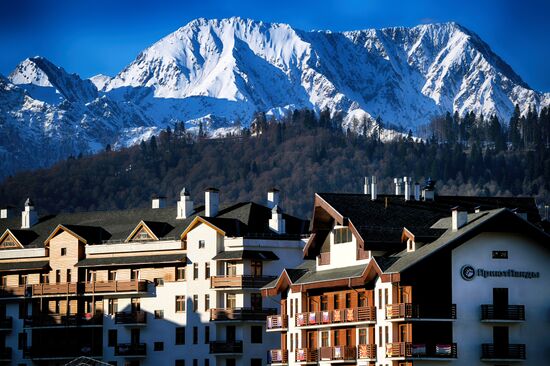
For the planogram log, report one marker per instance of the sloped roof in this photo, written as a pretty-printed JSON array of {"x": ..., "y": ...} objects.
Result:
[
  {"x": 24, "y": 266},
  {"x": 131, "y": 260},
  {"x": 264, "y": 255}
]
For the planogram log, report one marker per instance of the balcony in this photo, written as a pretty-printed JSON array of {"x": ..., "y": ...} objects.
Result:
[
  {"x": 506, "y": 352},
  {"x": 131, "y": 350},
  {"x": 328, "y": 318},
  {"x": 115, "y": 286},
  {"x": 366, "y": 352},
  {"x": 239, "y": 282},
  {"x": 510, "y": 313},
  {"x": 49, "y": 353},
  {"x": 45, "y": 289},
  {"x": 306, "y": 355},
  {"x": 5, "y": 354},
  {"x": 134, "y": 318},
  {"x": 226, "y": 347},
  {"x": 14, "y": 291},
  {"x": 277, "y": 356},
  {"x": 338, "y": 353},
  {"x": 6, "y": 323},
  {"x": 407, "y": 350},
  {"x": 59, "y": 320},
  {"x": 277, "y": 322},
  {"x": 424, "y": 312},
  {"x": 240, "y": 314}
]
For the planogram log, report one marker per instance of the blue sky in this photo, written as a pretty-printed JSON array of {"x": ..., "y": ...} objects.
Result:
[{"x": 103, "y": 36}]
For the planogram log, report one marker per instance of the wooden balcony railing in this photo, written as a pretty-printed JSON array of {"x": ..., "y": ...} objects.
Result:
[
  {"x": 323, "y": 259},
  {"x": 492, "y": 351},
  {"x": 277, "y": 322},
  {"x": 226, "y": 347},
  {"x": 366, "y": 351},
  {"x": 241, "y": 314},
  {"x": 306, "y": 355},
  {"x": 277, "y": 356},
  {"x": 65, "y": 288},
  {"x": 420, "y": 311},
  {"x": 240, "y": 281},
  {"x": 115, "y": 286},
  {"x": 509, "y": 312},
  {"x": 421, "y": 350},
  {"x": 350, "y": 315},
  {"x": 59, "y": 320},
  {"x": 338, "y": 353},
  {"x": 131, "y": 318},
  {"x": 5, "y": 354},
  {"x": 131, "y": 349},
  {"x": 6, "y": 323},
  {"x": 15, "y": 291}
]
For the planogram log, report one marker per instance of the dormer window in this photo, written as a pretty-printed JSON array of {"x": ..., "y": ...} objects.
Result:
[{"x": 342, "y": 235}]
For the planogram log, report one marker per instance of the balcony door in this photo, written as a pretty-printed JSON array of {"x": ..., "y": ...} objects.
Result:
[
  {"x": 230, "y": 333},
  {"x": 500, "y": 302},
  {"x": 405, "y": 333},
  {"x": 231, "y": 269},
  {"x": 135, "y": 336},
  {"x": 500, "y": 340}
]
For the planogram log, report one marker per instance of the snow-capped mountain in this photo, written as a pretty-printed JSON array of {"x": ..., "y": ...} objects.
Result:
[{"x": 221, "y": 72}]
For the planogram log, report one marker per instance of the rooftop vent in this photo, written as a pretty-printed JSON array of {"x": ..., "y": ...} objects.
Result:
[
  {"x": 459, "y": 218},
  {"x": 6, "y": 212},
  {"x": 158, "y": 201},
  {"x": 373, "y": 190},
  {"x": 211, "y": 202}
]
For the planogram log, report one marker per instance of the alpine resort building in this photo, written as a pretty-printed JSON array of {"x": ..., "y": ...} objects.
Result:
[{"x": 416, "y": 279}]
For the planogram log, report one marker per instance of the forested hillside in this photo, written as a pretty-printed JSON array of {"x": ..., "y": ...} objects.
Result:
[{"x": 300, "y": 154}]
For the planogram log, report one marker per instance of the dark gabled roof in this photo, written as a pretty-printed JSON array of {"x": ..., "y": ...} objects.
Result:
[
  {"x": 25, "y": 237},
  {"x": 24, "y": 266},
  {"x": 331, "y": 274},
  {"x": 92, "y": 234},
  {"x": 160, "y": 229},
  {"x": 263, "y": 255},
  {"x": 132, "y": 260}
]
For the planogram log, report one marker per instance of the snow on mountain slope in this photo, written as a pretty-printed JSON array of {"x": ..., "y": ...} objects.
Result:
[{"x": 220, "y": 72}]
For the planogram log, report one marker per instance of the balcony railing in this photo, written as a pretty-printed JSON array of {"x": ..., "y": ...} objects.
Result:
[
  {"x": 115, "y": 286},
  {"x": 131, "y": 349},
  {"x": 279, "y": 356},
  {"x": 366, "y": 351},
  {"x": 490, "y": 351},
  {"x": 340, "y": 316},
  {"x": 5, "y": 354},
  {"x": 240, "y": 281},
  {"x": 338, "y": 353},
  {"x": 15, "y": 291},
  {"x": 306, "y": 355},
  {"x": 66, "y": 288},
  {"x": 6, "y": 323},
  {"x": 418, "y": 311},
  {"x": 421, "y": 350},
  {"x": 277, "y": 322},
  {"x": 505, "y": 313},
  {"x": 131, "y": 318},
  {"x": 45, "y": 353},
  {"x": 59, "y": 320},
  {"x": 218, "y": 347},
  {"x": 241, "y": 314}
]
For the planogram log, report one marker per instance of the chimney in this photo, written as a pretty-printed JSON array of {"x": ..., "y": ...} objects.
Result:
[
  {"x": 185, "y": 205},
  {"x": 273, "y": 196},
  {"x": 29, "y": 217},
  {"x": 211, "y": 202},
  {"x": 407, "y": 181},
  {"x": 428, "y": 192},
  {"x": 366, "y": 186},
  {"x": 417, "y": 191},
  {"x": 397, "y": 182},
  {"x": 6, "y": 212},
  {"x": 373, "y": 192},
  {"x": 276, "y": 223},
  {"x": 158, "y": 202},
  {"x": 459, "y": 218}
]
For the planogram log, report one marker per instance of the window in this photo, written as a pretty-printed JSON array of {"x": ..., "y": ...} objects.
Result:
[
  {"x": 207, "y": 270},
  {"x": 69, "y": 275},
  {"x": 387, "y": 334},
  {"x": 195, "y": 303},
  {"x": 22, "y": 340},
  {"x": 291, "y": 342},
  {"x": 195, "y": 271},
  {"x": 135, "y": 304},
  {"x": 195, "y": 335},
  {"x": 324, "y": 339},
  {"x": 380, "y": 343},
  {"x": 158, "y": 346},
  {"x": 256, "y": 334},
  {"x": 206, "y": 302},
  {"x": 195, "y": 362},
  {"x": 348, "y": 300},
  {"x": 23, "y": 280},
  {"x": 91, "y": 276},
  {"x": 362, "y": 335},
  {"x": 256, "y": 362},
  {"x": 23, "y": 306},
  {"x": 386, "y": 296},
  {"x": 500, "y": 254},
  {"x": 111, "y": 275},
  {"x": 336, "y": 301},
  {"x": 134, "y": 274},
  {"x": 180, "y": 303},
  {"x": 296, "y": 305},
  {"x": 63, "y": 251},
  {"x": 180, "y": 273},
  {"x": 231, "y": 268},
  {"x": 324, "y": 302},
  {"x": 231, "y": 301},
  {"x": 159, "y": 281},
  {"x": 206, "y": 362},
  {"x": 180, "y": 335},
  {"x": 256, "y": 268},
  {"x": 336, "y": 337},
  {"x": 113, "y": 306},
  {"x": 362, "y": 299},
  {"x": 348, "y": 336},
  {"x": 44, "y": 278},
  {"x": 57, "y": 276},
  {"x": 291, "y": 308},
  {"x": 256, "y": 301},
  {"x": 112, "y": 338},
  {"x": 342, "y": 235},
  {"x": 180, "y": 363},
  {"x": 230, "y": 362},
  {"x": 202, "y": 244},
  {"x": 380, "y": 298},
  {"x": 159, "y": 314},
  {"x": 207, "y": 334}
]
